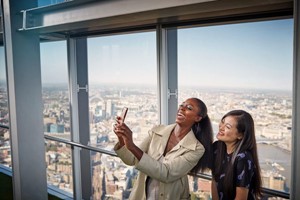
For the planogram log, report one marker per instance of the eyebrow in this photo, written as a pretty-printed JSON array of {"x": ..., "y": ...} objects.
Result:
[
  {"x": 228, "y": 124},
  {"x": 186, "y": 104}
]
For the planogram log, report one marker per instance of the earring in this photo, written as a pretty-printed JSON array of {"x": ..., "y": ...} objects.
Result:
[{"x": 198, "y": 127}]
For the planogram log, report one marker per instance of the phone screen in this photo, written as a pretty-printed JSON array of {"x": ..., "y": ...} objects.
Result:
[{"x": 124, "y": 112}]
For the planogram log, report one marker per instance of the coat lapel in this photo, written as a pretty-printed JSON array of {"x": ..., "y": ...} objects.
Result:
[
  {"x": 165, "y": 134},
  {"x": 188, "y": 142}
]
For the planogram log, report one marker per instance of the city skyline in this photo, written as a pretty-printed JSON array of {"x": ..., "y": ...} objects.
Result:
[{"x": 271, "y": 112}]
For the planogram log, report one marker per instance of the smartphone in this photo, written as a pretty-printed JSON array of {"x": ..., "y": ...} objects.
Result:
[{"x": 124, "y": 112}]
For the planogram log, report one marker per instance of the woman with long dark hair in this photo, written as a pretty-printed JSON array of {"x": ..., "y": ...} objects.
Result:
[
  {"x": 169, "y": 153},
  {"x": 236, "y": 170}
]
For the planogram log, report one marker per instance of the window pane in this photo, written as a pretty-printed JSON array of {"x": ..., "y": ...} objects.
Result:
[
  {"x": 5, "y": 150},
  {"x": 59, "y": 166},
  {"x": 55, "y": 89},
  {"x": 122, "y": 73},
  {"x": 199, "y": 188},
  {"x": 245, "y": 66},
  {"x": 112, "y": 179},
  {"x": 56, "y": 114}
]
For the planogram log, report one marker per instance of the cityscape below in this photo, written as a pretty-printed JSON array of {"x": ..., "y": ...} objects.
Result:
[{"x": 271, "y": 111}]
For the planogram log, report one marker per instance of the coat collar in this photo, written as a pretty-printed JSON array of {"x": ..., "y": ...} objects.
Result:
[{"x": 189, "y": 141}]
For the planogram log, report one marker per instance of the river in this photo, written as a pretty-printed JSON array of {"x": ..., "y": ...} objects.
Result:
[{"x": 267, "y": 153}]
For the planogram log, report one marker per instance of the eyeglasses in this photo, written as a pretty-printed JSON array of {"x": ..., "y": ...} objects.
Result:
[{"x": 187, "y": 106}]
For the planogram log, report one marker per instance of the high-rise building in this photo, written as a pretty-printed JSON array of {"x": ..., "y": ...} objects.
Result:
[{"x": 110, "y": 109}]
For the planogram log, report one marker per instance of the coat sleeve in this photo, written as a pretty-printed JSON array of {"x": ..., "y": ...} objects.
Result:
[
  {"x": 172, "y": 169},
  {"x": 127, "y": 157}
]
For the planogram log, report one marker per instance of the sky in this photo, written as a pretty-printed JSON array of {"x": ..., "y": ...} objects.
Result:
[{"x": 246, "y": 55}]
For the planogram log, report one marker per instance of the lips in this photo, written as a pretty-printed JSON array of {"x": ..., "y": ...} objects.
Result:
[
  {"x": 220, "y": 134},
  {"x": 180, "y": 116}
]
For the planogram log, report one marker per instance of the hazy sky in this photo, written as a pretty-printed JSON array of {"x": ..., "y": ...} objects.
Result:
[{"x": 248, "y": 55}]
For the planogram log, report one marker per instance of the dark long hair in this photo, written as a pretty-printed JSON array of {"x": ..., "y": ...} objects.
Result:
[
  {"x": 245, "y": 126},
  {"x": 204, "y": 133}
]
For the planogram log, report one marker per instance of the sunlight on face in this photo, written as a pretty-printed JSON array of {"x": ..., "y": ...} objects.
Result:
[{"x": 228, "y": 132}]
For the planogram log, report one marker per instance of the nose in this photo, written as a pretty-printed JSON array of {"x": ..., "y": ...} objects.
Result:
[
  {"x": 221, "y": 126},
  {"x": 182, "y": 107}
]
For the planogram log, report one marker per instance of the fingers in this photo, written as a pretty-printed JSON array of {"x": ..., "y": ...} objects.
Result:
[
  {"x": 118, "y": 129},
  {"x": 119, "y": 123},
  {"x": 118, "y": 119},
  {"x": 122, "y": 131}
]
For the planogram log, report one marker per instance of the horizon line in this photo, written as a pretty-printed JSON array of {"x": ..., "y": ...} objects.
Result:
[{"x": 153, "y": 85}]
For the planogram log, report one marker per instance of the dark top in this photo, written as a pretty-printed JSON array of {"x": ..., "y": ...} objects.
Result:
[{"x": 243, "y": 173}]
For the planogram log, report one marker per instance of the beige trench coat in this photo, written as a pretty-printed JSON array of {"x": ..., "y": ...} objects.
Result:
[{"x": 172, "y": 172}]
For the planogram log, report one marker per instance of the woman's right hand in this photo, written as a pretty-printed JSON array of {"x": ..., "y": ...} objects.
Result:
[
  {"x": 118, "y": 134},
  {"x": 125, "y": 137},
  {"x": 123, "y": 132}
]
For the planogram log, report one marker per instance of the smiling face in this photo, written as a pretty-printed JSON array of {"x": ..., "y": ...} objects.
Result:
[
  {"x": 188, "y": 113},
  {"x": 228, "y": 132}
]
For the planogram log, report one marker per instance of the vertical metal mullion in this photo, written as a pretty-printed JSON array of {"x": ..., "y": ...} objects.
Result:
[
  {"x": 172, "y": 74},
  {"x": 167, "y": 73},
  {"x": 80, "y": 116},
  {"x": 72, "y": 73},
  {"x": 83, "y": 110},
  {"x": 295, "y": 175},
  {"x": 162, "y": 72}
]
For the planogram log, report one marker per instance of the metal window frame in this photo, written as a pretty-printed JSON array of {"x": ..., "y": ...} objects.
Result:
[
  {"x": 167, "y": 73},
  {"x": 295, "y": 172},
  {"x": 79, "y": 107}
]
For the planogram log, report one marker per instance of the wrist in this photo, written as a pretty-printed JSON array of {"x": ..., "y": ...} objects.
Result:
[
  {"x": 119, "y": 145},
  {"x": 137, "y": 152},
  {"x": 131, "y": 147}
]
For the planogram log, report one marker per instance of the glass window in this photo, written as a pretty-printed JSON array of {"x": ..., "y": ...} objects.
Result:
[
  {"x": 5, "y": 150},
  {"x": 122, "y": 73},
  {"x": 59, "y": 166},
  {"x": 200, "y": 188},
  {"x": 112, "y": 179},
  {"x": 54, "y": 68},
  {"x": 245, "y": 66},
  {"x": 56, "y": 112}
]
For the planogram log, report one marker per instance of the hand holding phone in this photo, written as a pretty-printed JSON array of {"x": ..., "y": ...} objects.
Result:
[{"x": 124, "y": 112}]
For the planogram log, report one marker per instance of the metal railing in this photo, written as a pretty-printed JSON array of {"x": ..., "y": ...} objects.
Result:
[
  {"x": 4, "y": 126},
  {"x": 266, "y": 191},
  {"x": 111, "y": 153}
]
